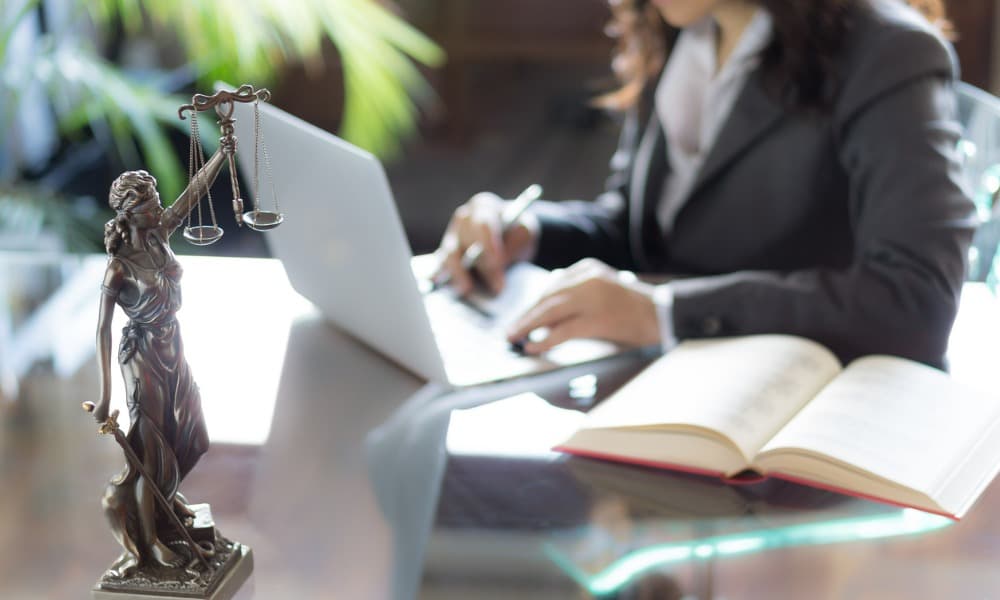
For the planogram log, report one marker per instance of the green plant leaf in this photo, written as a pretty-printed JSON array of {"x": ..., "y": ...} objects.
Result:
[
  {"x": 111, "y": 101},
  {"x": 247, "y": 40}
]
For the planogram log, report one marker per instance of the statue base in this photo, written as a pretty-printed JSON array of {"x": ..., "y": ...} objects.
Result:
[{"x": 230, "y": 566}]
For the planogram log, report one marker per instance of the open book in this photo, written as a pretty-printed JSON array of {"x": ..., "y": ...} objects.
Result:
[{"x": 882, "y": 428}]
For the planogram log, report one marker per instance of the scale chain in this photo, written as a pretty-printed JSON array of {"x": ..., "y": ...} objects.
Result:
[
  {"x": 260, "y": 147},
  {"x": 197, "y": 167},
  {"x": 191, "y": 166},
  {"x": 207, "y": 190},
  {"x": 201, "y": 188},
  {"x": 270, "y": 177},
  {"x": 256, "y": 157}
]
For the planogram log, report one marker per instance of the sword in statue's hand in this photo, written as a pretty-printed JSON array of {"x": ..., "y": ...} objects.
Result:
[{"x": 110, "y": 427}]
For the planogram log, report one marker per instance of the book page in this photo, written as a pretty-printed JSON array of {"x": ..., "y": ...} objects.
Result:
[
  {"x": 896, "y": 419},
  {"x": 746, "y": 388}
]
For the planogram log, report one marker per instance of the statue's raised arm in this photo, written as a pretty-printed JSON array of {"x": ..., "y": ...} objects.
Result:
[{"x": 174, "y": 215}]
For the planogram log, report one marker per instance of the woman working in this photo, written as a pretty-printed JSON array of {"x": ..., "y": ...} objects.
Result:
[{"x": 793, "y": 164}]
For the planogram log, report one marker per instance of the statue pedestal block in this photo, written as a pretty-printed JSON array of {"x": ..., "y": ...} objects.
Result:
[{"x": 233, "y": 568}]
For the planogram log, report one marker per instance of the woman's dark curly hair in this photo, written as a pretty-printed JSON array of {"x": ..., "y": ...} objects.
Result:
[{"x": 799, "y": 60}]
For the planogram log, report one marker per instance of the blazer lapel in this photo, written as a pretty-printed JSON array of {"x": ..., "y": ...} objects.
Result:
[
  {"x": 649, "y": 167},
  {"x": 755, "y": 112},
  {"x": 648, "y": 172}
]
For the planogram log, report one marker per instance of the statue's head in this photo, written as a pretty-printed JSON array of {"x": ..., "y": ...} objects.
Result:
[
  {"x": 135, "y": 200},
  {"x": 134, "y": 195}
]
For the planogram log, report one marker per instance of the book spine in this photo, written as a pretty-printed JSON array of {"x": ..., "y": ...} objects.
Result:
[{"x": 640, "y": 461}]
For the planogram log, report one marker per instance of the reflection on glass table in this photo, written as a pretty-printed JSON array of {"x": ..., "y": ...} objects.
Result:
[{"x": 607, "y": 526}]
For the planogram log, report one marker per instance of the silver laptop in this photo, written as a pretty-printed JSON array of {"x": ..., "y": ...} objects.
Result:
[{"x": 343, "y": 247}]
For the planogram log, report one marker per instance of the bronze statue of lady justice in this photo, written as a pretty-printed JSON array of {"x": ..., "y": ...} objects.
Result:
[{"x": 166, "y": 549}]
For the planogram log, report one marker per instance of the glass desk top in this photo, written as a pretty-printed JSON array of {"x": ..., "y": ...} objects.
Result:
[{"x": 351, "y": 478}]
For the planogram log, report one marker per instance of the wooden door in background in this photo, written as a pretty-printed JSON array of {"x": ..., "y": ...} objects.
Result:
[{"x": 974, "y": 21}]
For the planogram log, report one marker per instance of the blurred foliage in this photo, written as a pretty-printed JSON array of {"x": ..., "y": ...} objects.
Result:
[
  {"x": 31, "y": 211},
  {"x": 239, "y": 41},
  {"x": 248, "y": 40}
]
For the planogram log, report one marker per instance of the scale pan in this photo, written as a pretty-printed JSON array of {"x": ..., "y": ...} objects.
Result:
[
  {"x": 260, "y": 220},
  {"x": 203, "y": 235}
]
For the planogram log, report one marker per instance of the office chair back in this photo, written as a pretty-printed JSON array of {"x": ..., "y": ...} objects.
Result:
[{"x": 979, "y": 115}]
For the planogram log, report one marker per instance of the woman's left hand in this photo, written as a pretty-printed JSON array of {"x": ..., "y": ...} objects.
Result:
[{"x": 591, "y": 300}]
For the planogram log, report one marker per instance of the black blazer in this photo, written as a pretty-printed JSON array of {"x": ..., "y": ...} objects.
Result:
[{"x": 849, "y": 227}]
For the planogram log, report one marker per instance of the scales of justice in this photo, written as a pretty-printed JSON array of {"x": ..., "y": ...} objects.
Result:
[{"x": 171, "y": 547}]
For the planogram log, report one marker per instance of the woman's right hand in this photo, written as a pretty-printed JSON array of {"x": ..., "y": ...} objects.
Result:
[{"x": 479, "y": 221}]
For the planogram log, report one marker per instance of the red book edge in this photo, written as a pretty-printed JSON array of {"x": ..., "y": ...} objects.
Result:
[{"x": 777, "y": 475}]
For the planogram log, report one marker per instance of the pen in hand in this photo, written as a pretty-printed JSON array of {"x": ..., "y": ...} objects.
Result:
[{"x": 511, "y": 213}]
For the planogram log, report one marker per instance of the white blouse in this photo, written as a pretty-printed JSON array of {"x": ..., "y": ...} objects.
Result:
[{"x": 693, "y": 100}]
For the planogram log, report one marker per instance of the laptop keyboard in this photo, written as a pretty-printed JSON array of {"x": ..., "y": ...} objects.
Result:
[
  {"x": 472, "y": 334},
  {"x": 457, "y": 322},
  {"x": 472, "y": 342}
]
